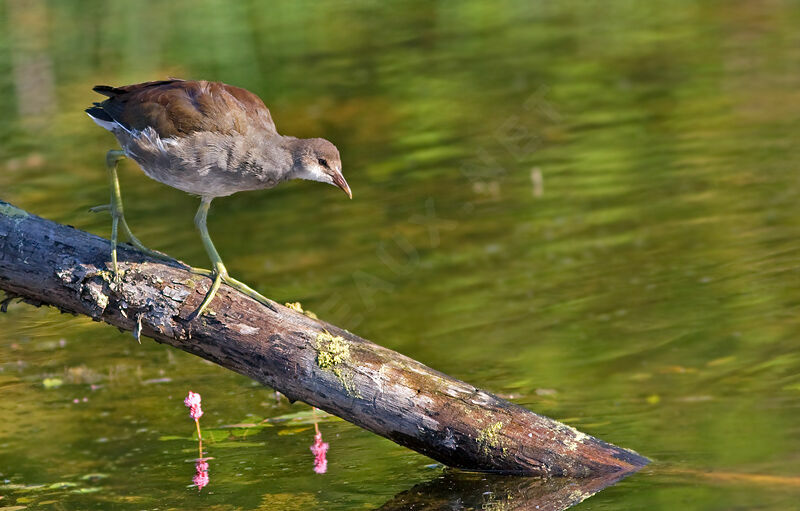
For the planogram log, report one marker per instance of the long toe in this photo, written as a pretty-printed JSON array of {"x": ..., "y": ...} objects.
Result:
[
  {"x": 212, "y": 291},
  {"x": 247, "y": 290},
  {"x": 201, "y": 271}
]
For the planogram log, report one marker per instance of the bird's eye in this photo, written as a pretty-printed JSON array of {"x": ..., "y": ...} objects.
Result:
[{"x": 323, "y": 162}]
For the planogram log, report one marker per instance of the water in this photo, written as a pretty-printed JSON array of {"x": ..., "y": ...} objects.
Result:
[{"x": 589, "y": 207}]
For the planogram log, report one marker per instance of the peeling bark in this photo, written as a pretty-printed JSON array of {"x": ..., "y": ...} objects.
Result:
[{"x": 305, "y": 359}]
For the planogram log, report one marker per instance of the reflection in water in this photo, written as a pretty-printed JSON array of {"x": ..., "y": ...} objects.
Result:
[
  {"x": 456, "y": 490},
  {"x": 319, "y": 448},
  {"x": 200, "y": 478}
]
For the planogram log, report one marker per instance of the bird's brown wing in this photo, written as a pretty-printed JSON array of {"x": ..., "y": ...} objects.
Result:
[{"x": 176, "y": 108}]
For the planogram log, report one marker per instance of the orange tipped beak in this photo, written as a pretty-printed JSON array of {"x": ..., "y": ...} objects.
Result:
[{"x": 338, "y": 180}]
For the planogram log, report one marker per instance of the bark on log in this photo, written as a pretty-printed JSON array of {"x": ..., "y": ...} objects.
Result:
[{"x": 307, "y": 360}]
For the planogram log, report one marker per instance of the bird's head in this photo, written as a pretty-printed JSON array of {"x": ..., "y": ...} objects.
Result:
[{"x": 316, "y": 159}]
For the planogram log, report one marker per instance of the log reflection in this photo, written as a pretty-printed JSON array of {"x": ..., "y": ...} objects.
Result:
[{"x": 455, "y": 490}]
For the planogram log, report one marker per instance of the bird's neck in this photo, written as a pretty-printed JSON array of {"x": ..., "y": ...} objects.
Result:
[
  {"x": 275, "y": 156},
  {"x": 294, "y": 147},
  {"x": 285, "y": 156},
  {"x": 297, "y": 148}
]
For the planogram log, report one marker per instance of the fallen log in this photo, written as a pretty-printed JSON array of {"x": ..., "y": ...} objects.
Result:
[{"x": 46, "y": 263}]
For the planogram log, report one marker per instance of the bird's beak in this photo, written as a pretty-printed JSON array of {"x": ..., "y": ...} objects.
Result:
[{"x": 338, "y": 180}]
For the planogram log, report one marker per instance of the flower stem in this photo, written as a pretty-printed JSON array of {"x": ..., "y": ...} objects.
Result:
[{"x": 199, "y": 440}]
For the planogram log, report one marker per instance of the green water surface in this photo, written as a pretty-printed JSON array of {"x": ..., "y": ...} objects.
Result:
[{"x": 592, "y": 208}]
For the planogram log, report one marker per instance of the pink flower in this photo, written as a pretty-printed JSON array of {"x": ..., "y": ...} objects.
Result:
[
  {"x": 200, "y": 479},
  {"x": 319, "y": 449},
  {"x": 193, "y": 402}
]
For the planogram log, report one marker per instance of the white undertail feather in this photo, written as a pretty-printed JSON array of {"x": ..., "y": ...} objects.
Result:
[
  {"x": 148, "y": 133},
  {"x": 108, "y": 125}
]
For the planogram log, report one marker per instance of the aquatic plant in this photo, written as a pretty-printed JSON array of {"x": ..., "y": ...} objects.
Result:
[{"x": 192, "y": 401}]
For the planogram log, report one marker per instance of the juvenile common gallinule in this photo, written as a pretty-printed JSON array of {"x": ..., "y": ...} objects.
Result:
[{"x": 208, "y": 139}]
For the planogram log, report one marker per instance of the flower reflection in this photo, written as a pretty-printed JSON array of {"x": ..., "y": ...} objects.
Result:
[
  {"x": 319, "y": 449},
  {"x": 200, "y": 478}
]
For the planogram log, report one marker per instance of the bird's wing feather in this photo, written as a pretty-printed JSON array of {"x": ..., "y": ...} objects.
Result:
[{"x": 176, "y": 108}]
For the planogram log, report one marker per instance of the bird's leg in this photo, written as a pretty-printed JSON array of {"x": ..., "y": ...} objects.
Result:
[
  {"x": 112, "y": 157},
  {"x": 118, "y": 215},
  {"x": 219, "y": 273},
  {"x": 218, "y": 268}
]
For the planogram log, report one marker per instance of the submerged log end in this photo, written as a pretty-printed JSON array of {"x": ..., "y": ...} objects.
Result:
[{"x": 505, "y": 438}]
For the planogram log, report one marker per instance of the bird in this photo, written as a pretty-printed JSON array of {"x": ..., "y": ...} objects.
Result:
[{"x": 208, "y": 139}]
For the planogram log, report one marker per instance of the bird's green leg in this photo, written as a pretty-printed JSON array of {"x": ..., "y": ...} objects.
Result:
[
  {"x": 118, "y": 215},
  {"x": 219, "y": 273},
  {"x": 112, "y": 157},
  {"x": 218, "y": 268}
]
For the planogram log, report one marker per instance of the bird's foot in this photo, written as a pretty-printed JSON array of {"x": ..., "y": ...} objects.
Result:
[
  {"x": 216, "y": 275},
  {"x": 222, "y": 276}
]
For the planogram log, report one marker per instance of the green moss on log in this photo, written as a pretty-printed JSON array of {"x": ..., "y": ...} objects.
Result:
[
  {"x": 489, "y": 438},
  {"x": 333, "y": 353}
]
